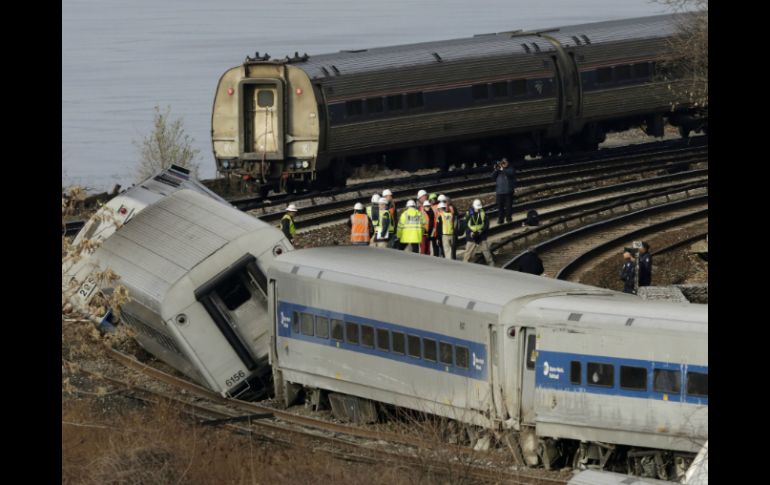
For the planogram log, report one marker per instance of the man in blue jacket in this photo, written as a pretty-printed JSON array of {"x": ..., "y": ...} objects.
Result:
[{"x": 504, "y": 178}]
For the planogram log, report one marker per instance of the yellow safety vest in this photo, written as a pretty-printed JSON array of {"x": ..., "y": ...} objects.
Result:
[
  {"x": 292, "y": 230},
  {"x": 447, "y": 228},
  {"x": 370, "y": 211},
  {"x": 478, "y": 225},
  {"x": 410, "y": 228},
  {"x": 378, "y": 225}
]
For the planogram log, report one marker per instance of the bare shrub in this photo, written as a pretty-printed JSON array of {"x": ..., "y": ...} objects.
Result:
[{"x": 166, "y": 145}]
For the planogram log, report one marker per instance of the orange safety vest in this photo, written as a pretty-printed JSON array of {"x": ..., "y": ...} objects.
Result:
[{"x": 360, "y": 229}]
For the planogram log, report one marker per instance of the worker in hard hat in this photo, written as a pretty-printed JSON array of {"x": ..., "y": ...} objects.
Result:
[
  {"x": 410, "y": 227},
  {"x": 388, "y": 195},
  {"x": 287, "y": 223},
  {"x": 372, "y": 210},
  {"x": 429, "y": 226},
  {"x": 477, "y": 225},
  {"x": 435, "y": 238},
  {"x": 445, "y": 229},
  {"x": 382, "y": 227},
  {"x": 456, "y": 230},
  {"x": 361, "y": 228}
]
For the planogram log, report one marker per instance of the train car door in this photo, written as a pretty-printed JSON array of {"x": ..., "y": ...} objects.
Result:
[
  {"x": 529, "y": 356},
  {"x": 262, "y": 120}
]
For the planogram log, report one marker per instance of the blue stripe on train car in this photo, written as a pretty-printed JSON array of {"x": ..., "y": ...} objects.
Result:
[
  {"x": 477, "y": 352},
  {"x": 553, "y": 371}
]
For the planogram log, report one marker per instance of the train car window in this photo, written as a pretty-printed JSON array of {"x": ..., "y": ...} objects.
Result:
[
  {"x": 367, "y": 336},
  {"x": 634, "y": 378},
  {"x": 518, "y": 87},
  {"x": 575, "y": 369},
  {"x": 233, "y": 292},
  {"x": 337, "y": 329},
  {"x": 429, "y": 349},
  {"x": 604, "y": 75},
  {"x": 461, "y": 356},
  {"x": 295, "y": 322},
  {"x": 697, "y": 384},
  {"x": 351, "y": 332},
  {"x": 480, "y": 91},
  {"x": 322, "y": 327},
  {"x": 642, "y": 70},
  {"x": 306, "y": 320},
  {"x": 623, "y": 73},
  {"x": 500, "y": 90},
  {"x": 396, "y": 102},
  {"x": 398, "y": 343},
  {"x": 600, "y": 374},
  {"x": 383, "y": 339},
  {"x": 374, "y": 105},
  {"x": 664, "y": 380},
  {"x": 414, "y": 100},
  {"x": 265, "y": 98},
  {"x": 445, "y": 353},
  {"x": 531, "y": 352},
  {"x": 354, "y": 108},
  {"x": 414, "y": 345}
]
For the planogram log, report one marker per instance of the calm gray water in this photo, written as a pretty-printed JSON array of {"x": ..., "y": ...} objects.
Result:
[{"x": 121, "y": 58}]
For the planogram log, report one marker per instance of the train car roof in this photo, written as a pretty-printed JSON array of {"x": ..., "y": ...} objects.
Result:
[
  {"x": 635, "y": 313},
  {"x": 170, "y": 237},
  {"x": 454, "y": 283},
  {"x": 359, "y": 61}
]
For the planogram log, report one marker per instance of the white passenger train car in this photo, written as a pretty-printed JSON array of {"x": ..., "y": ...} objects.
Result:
[
  {"x": 573, "y": 371},
  {"x": 194, "y": 269}
]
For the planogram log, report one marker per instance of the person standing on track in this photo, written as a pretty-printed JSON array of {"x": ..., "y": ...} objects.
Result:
[
  {"x": 477, "y": 225},
  {"x": 504, "y": 178},
  {"x": 410, "y": 227},
  {"x": 361, "y": 228},
  {"x": 388, "y": 195},
  {"x": 446, "y": 224},
  {"x": 383, "y": 226},
  {"x": 628, "y": 273},
  {"x": 287, "y": 223},
  {"x": 645, "y": 265},
  {"x": 429, "y": 224}
]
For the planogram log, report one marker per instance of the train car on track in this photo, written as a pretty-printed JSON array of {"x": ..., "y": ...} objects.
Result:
[
  {"x": 194, "y": 268},
  {"x": 570, "y": 373},
  {"x": 302, "y": 120}
]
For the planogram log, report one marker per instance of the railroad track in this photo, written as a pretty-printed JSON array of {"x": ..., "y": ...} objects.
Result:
[
  {"x": 564, "y": 255},
  {"x": 420, "y": 181},
  {"x": 340, "y": 441}
]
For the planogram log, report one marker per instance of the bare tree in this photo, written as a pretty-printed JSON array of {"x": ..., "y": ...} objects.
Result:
[
  {"x": 688, "y": 54},
  {"x": 167, "y": 144}
]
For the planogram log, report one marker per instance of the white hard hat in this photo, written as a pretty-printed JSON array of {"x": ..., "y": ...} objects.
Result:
[
  {"x": 383, "y": 201},
  {"x": 386, "y": 192},
  {"x": 375, "y": 198},
  {"x": 421, "y": 193},
  {"x": 426, "y": 203},
  {"x": 410, "y": 203},
  {"x": 359, "y": 206},
  {"x": 441, "y": 198},
  {"x": 442, "y": 205},
  {"x": 292, "y": 208},
  {"x": 477, "y": 204}
]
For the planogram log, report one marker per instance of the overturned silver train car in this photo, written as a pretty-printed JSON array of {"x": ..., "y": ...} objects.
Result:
[{"x": 195, "y": 269}]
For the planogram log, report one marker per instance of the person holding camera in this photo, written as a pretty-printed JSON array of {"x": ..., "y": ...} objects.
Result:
[
  {"x": 477, "y": 225},
  {"x": 504, "y": 178}
]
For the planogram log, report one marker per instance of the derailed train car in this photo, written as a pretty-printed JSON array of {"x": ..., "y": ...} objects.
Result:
[
  {"x": 566, "y": 373},
  {"x": 194, "y": 268},
  {"x": 306, "y": 119}
]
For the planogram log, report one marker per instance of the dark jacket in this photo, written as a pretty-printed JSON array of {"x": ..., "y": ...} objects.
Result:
[
  {"x": 628, "y": 275},
  {"x": 531, "y": 263},
  {"x": 645, "y": 269},
  {"x": 385, "y": 227},
  {"x": 472, "y": 215},
  {"x": 504, "y": 180},
  {"x": 285, "y": 229}
]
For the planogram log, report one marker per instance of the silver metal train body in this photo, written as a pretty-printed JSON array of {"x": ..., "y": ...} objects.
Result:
[
  {"x": 285, "y": 122},
  {"x": 547, "y": 359},
  {"x": 194, "y": 268}
]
